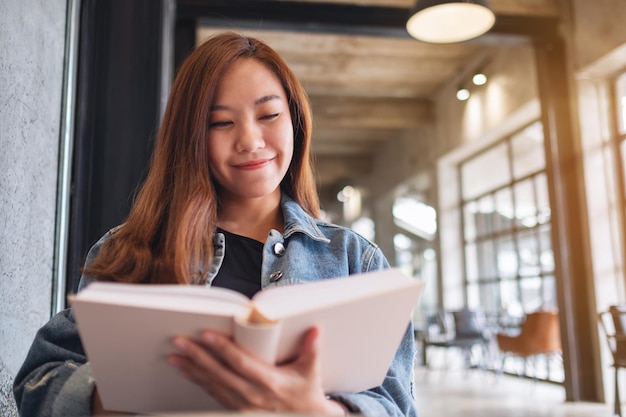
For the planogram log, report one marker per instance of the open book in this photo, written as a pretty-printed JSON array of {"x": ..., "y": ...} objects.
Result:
[{"x": 126, "y": 330}]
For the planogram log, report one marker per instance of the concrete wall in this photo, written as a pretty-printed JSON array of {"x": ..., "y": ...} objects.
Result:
[
  {"x": 403, "y": 161},
  {"x": 410, "y": 160},
  {"x": 31, "y": 66},
  {"x": 597, "y": 29}
]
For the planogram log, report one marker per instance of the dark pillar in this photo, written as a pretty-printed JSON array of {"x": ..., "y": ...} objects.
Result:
[
  {"x": 581, "y": 358},
  {"x": 184, "y": 39},
  {"x": 118, "y": 98}
]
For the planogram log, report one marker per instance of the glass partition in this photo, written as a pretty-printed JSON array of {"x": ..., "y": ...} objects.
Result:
[{"x": 509, "y": 266}]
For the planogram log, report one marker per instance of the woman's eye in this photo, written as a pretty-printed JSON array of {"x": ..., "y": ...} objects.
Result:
[
  {"x": 214, "y": 125},
  {"x": 270, "y": 116}
]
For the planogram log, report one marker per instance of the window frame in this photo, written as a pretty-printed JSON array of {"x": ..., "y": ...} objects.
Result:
[{"x": 484, "y": 287}]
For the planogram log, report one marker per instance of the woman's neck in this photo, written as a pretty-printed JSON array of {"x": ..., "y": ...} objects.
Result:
[{"x": 251, "y": 217}]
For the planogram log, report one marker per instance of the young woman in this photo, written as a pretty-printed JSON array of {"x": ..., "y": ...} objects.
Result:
[{"x": 230, "y": 200}]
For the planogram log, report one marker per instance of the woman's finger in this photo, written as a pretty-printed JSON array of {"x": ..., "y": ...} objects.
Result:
[
  {"x": 209, "y": 372},
  {"x": 308, "y": 359},
  {"x": 235, "y": 357}
]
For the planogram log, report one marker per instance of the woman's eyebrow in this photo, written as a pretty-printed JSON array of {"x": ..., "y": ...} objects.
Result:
[
  {"x": 264, "y": 99},
  {"x": 217, "y": 107}
]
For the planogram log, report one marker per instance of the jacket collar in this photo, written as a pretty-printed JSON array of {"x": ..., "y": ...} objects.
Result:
[{"x": 298, "y": 220}]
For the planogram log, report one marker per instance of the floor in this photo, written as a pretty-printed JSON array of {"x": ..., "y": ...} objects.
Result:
[
  {"x": 477, "y": 393},
  {"x": 449, "y": 390}
]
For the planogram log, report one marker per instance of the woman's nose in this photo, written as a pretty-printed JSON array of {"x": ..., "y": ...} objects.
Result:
[{"x": 250, "y": 137}]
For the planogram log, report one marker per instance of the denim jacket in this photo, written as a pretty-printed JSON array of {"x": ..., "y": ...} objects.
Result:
[{"x": 56, "y": 379}]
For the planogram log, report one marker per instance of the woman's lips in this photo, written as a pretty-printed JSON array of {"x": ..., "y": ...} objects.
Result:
[{"x": 256, "y": 164}]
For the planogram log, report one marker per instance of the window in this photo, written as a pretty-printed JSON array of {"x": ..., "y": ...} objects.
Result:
[
  {"x": 620, "y": 139},
  {"x": 509, "y": 265},
  {"x": 413, "y": 215},
  {"x": 417, "y": 225}
]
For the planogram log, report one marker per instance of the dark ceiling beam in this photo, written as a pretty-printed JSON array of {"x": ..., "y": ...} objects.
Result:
[
  {"x": 349, "y": 19},
  {"x": 298, "y": 16}
]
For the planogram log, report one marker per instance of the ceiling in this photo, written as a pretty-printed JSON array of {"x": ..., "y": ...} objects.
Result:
[{"x": 368, "y": 81}]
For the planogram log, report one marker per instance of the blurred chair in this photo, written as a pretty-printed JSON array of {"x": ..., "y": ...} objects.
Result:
[
  {"x": 463, "y": 330},
  {"x": 539, "y": 335},
  {"x": 613, "y": 322}
]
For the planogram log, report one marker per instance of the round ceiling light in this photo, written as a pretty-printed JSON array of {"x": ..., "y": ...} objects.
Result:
[{"x": 450, "y": 21}]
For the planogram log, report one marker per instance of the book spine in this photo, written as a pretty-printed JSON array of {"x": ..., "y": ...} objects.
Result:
[{"x": 259, "y": 339}]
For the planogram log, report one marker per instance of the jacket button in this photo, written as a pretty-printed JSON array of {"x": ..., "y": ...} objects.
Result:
[
  {"x": 276, "y": 276},
  {"x": 279, "y": 249}
]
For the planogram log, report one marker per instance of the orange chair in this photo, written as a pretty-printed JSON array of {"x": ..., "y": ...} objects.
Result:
[{"x": 539, "y": 336}]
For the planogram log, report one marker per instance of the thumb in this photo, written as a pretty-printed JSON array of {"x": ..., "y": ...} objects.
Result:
[{"x": 308, "y": 359}]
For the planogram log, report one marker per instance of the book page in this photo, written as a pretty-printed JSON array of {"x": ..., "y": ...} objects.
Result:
[
  {"x": 189, "y": 298},
  {"x": 361, "y": 320},
  {"x": 279, "y": 302},
  {"x": 127, "y": 347}
]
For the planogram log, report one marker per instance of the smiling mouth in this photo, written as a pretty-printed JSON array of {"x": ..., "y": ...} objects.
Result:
[{"x": 259, "y": 163}]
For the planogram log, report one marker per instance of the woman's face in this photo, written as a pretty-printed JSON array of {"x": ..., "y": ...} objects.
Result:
[{"x": 250, "y": 131}]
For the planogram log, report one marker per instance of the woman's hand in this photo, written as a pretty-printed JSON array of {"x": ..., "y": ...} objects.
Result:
[{"x": 240, "y": 381}]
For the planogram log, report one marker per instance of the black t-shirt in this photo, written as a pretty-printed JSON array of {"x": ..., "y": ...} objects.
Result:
[{"x": 241, "y": 267}]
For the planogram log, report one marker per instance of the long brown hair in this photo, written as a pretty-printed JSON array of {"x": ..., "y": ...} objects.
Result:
[{"x": 168, "y": 235}]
